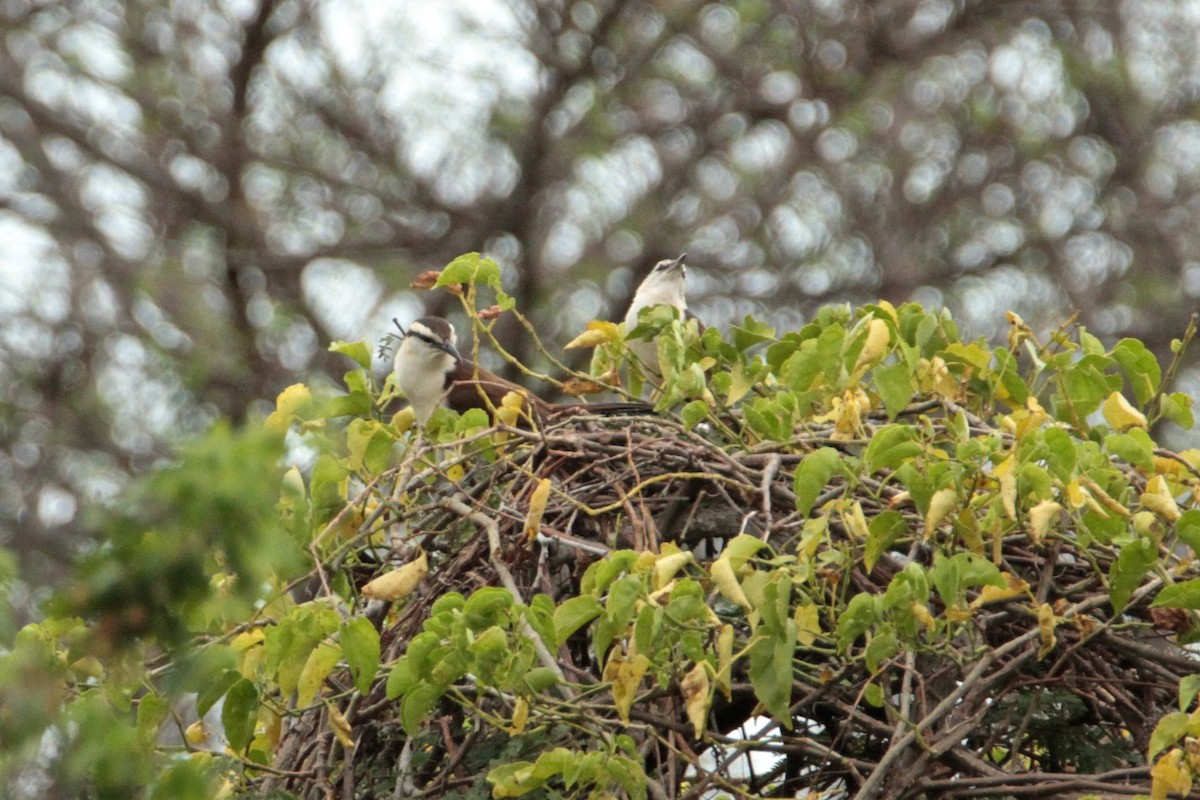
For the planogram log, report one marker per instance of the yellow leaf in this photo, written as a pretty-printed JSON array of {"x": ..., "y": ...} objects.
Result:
[
  {"x": 808, "y": 624},
  {"x": 537, "y": 507},
  {"x": 669, "y": 562},
  {"x": 399, "y": 582},
  {"x": 940, "y": 505},
  {"x": 404, "y": 419},
  {"x": 626, "y": 675},
  {"x": 725, "y": 660},
  {"x": 879, "y": 336},
  {"x": 520, "y": 717},
  {"x": 290, "y": 402},
  {"x": 317, "y": 667},
  {"x": 739, "y": 385},
  {"x": 1144, "y": 522},
  {"x": 1041, "y": 517},
  {"x": 581, "y": 386},
  {"x": 996, "y": 594},
  {"x": 1158, "y": 499},
  {"x": 250, "y": 660},
  {"x": 1120, "y": 414},
  {"x": 1030, "y": 418},
  {"x": 856, "y": 522},
  {"x": 727, "y": 582},
  {"x": 340, "y": 726},
  {"x": 1046, "y": 625},
  {"x": 921, "y": 612},
  {"x": 696, "y": 697},
  {"x": 1103, "y": 497},
  {"x": 1169, "y": 776},
  {"x": 598, "y": 332},
  {"x": 1167, "y": 466},
  {"x": 272, "y": 729},
  {"x": 1006, "y": 472},
  {"x": 195, "y": 733},
  {"x": 455, "y": 472},
  {"x": 509, "y": 410},
  {"x": 1077, "y": 496}
]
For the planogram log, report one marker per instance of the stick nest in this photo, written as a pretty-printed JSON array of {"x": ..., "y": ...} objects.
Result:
[{"x": 1046, "y": 693}]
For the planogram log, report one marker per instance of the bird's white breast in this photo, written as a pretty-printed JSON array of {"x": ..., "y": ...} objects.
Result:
[{"x": 421, "y": 375}]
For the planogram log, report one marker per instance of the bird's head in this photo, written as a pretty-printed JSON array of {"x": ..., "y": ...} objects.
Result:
[
  {"x": 664, "y": 284},
  {"x": 432, "y": 336}
]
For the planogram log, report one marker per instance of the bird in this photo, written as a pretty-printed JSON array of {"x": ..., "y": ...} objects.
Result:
[
  {"x": 663, "y": 286},
  {"x": 430, "y": 371}
]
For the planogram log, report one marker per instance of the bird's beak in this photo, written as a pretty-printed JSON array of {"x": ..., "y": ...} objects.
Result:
[
  {"x": 678, "y": 263},
  {"x": 448, "y": 347}
]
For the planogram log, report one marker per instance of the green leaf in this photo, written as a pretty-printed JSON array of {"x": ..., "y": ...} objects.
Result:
[
  {"x": 360, "y": 646},
  {"x": 740, "y": 548},
  {"x": 490, "y": 648},
  {"x": 814, "y": 472},
  {"x": 325, "y": 488},
  {"x": 890, "y": 447},
  {"x": 599, "y": 575},
  {"x": 470, "y": 268},
  {"x": 215, "y": 689},
  {"x": 1177, "y": 407},
  {"x": 860, "y": 614},
  {"x": 1189, "y": 687},
  {"x": 962, "y": 571},
  {"x": 801, "y": 368},
  {"x": 1128, "y": 571},
  {"x": 693, "y": 413},
  {"x": 1179, "y": 595},
  {"x": 239, "y": 713},
  {"x": 1061, "y": 449},
  {"x": 1187, "y": 528},
  {"x": 368, "y": 445},
  {"x": 1141, "y": 368},
  {"x": 151, "y": 711},
  {"x": 573, "y": 614},
  {"x": 402, "y": 679},
  {"x": 359, "y": 352},
  {"x": 485, "y": 607},
  {"x": 972, "y": 354},
  {"x": 1135, "y": 446},
  {"x": 885, "y": 528},
  {"x": 1169, "y": 730},
  {"x": 829, "y": 352},
  {"x": 415, "y": 707},
  {"x": 1006, "y": 376},
  {"x": 629, "y": 775},
  {"x": 1086, "y": 386},
  {"x": 540, "y": 679},
  {"x": 750, "y": 333},
  {"x": 881, "y": 648},
  {"x": 771, "y": 672},
  {"x": 895, "y": 386}
]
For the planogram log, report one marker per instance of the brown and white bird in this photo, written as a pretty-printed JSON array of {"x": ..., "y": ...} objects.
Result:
[
  {"x": 430, "y": 371},
  {"x": 663, "y": 286}
]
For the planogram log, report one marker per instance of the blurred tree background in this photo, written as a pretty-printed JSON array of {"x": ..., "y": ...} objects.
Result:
[{"x": 196, "y": 196}]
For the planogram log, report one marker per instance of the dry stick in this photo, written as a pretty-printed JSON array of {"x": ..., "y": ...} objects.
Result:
[
  {"x": 869, "y": 789},
  {"x": 492, "y": 529},
  {"x": 967, "y": 685},
  {"x": 764, "y": 487},
  {"x": 1042, "y": 784}
]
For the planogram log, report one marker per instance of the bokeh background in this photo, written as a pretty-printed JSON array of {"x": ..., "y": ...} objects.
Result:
[{"x": 197, "y": 196}]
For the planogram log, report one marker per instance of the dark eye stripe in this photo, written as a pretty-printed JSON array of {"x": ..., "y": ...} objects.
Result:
[{"x": 429, "y": 340}]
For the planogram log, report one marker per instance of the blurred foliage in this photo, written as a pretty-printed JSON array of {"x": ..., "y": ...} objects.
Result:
[{"x": 912, "y": 563}]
